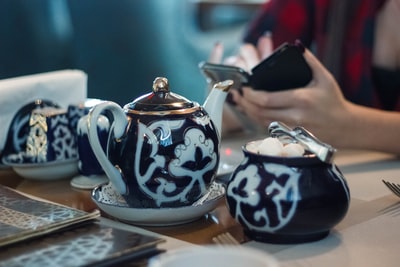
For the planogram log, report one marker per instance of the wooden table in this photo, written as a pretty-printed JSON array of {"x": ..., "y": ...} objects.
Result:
[
  {"x": 369, "y": 235},
  {"x": 198, "y": 232}
]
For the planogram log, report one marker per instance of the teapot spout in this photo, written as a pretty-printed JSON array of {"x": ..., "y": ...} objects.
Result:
[{"x": 214, "y": 103}]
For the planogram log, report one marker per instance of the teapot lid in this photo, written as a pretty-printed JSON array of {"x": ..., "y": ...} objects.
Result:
[{"x": 160, "y": 99}]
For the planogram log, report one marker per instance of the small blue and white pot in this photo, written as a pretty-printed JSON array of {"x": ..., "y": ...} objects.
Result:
[{"x": 286, "y": 199}]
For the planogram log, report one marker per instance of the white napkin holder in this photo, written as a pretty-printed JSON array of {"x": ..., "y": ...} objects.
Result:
[{"x": 64, "y": 87}]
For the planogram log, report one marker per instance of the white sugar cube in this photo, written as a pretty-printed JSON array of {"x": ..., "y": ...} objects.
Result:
[
  {"x": 293, "y": 150},
  {"x": 274, "y": 147},
  {"x": 271, "y": 147}
]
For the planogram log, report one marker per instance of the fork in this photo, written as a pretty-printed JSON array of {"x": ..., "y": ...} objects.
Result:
[
  {"x": 395, "y": 188},
  {"x": 225, "y": 239}
]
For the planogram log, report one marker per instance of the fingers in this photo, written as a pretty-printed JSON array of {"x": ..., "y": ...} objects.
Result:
[
  {"x": 236, "y": 61},
  {"x": 216, "y": 53},
  {"x": 249, "y": 55},
  {"x": 246, "y": 59},
  {"x": 265, "y": 46},
  {"x": 322, "y": 78},
  {"x": 319, "y": 71},
  {"x": 269, "y": 100},
  {"x": 259, "y": 112}
]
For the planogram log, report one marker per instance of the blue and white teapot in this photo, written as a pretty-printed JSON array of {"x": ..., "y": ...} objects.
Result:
[{"x": 163, "y": 150}]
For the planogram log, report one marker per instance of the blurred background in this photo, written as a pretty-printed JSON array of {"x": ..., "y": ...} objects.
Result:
[{"x": 122, "y": 45}]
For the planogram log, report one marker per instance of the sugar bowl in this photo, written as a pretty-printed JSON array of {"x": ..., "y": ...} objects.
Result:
[{"x": 288, "y": 199}]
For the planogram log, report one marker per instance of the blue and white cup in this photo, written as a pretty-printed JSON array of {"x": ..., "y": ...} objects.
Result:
[
  {"x": 88, "y": 164},
  {"x": 77, "y": 111}
]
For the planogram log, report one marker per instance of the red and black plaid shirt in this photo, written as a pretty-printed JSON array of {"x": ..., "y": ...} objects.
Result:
[{"x": 307, "y": 20}]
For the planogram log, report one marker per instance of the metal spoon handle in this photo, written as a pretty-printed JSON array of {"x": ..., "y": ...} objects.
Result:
[{"x": 300, "y": 135}]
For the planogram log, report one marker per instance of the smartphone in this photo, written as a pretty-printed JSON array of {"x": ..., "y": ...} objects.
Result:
[
  {"x": 217, "y": 72},
  {"x": 284, "y": 69}
]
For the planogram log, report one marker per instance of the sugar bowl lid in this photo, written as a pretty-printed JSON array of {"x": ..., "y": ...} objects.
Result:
[{"x": 161, "y": 99}]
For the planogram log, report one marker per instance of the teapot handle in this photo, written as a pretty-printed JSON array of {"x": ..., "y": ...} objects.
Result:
[{"x": 118, "y": 128}]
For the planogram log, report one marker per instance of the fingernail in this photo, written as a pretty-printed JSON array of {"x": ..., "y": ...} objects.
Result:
[
  {"x": 299, "y": 45},
  {"x": 218, "y": 43},
  {"x": 267, "y": 34}
]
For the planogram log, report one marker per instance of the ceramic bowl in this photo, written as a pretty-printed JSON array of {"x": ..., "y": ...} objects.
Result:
[
  {"x": 214, "y": 256},
  {"x": 286, "y": 200},
  {"x": 44, "y": 171}
]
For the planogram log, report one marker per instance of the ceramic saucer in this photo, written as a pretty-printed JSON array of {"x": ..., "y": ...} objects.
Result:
[
  {"x": 229, "y": 161},
  {"x": 112, "y": 203},
  {"x": 52, "y": 170},
  {"x": 88, "y": 182}
]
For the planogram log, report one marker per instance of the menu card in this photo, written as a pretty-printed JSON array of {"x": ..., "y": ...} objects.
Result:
[
  {"x": 23, "y": 217},
  {"x": 62, "y": 236},
  {"x": 88, "y": 245}
]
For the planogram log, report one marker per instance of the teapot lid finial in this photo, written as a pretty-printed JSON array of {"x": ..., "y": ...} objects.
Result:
[
  {"x": 160, "y": 99},
  {"x": 160, "y": 84}
]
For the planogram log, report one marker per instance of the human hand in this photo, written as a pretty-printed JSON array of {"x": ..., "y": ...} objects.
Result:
[
  {"x": 248, "y": 55},
  {"x": 216, "y": 54},
  {"x": 316, "y": 107}
]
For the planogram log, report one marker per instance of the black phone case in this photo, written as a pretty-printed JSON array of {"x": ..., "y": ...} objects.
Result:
[{"x": 285, "y": 69}]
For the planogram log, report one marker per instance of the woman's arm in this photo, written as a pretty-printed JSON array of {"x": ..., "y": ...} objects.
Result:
[{"x": 321, "y": 108}]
